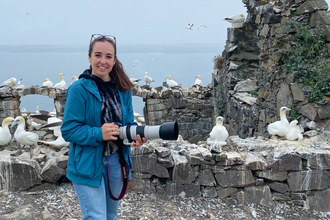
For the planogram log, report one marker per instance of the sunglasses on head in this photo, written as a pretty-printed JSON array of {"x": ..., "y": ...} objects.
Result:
[{"x": 100, "y": 36}]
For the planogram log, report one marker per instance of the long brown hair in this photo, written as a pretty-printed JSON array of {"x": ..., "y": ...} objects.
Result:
[{"x": 117, "y": 72}]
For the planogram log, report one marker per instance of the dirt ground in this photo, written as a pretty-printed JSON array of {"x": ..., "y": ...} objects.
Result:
[{"x": 60, "y": 202}]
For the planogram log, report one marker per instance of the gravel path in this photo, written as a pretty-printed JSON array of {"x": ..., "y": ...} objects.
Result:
[{"x": 60, "y": 202}]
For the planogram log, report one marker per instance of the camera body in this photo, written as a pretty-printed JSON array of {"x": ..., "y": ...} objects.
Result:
[{"x": 165, "y": 131}]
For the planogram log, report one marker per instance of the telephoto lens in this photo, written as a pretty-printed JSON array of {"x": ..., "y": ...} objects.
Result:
[{"x": 165, "y": 131}]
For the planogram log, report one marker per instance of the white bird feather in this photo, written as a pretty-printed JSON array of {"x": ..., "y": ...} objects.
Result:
[
  {"x": 237, "y": 18},
  {"x": 282, "y": 127},
  {"x": 21, "y": 135},
  {"x": 5, "y": 135},
  {"x": 47, "y": 83},
  {"x": 295, "y": 132},
  {"x": 61, "y": 84},
  {"x": 219, "y": 132},
  {"x": 170, "y": 82},
  {"x": 147, "y": 78},
  {"x": 9, "y": 82}
]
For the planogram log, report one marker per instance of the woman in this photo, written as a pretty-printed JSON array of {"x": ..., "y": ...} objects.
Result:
[{"x": 95, "y": 105}]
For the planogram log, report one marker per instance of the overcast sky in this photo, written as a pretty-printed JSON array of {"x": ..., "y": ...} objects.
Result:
[{"x": 131, "y": 21}]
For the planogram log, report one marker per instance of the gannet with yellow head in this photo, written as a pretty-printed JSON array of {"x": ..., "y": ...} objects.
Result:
[
  {"x": 198, "y": 81},
  {"x": 62, "y": 84},
  {"x": 170, "y": 82},
  {"x": 47, "y": 83},
  {"x": 5, "y": 135},
  {"x": 21, "y": 135},
  {"x": 282, "y": 127},
  {"x": 9, "y": 83}
]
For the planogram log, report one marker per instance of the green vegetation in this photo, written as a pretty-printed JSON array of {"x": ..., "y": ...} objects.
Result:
[
  {"x": 308, "y": 62},
  {"x": 254, "y": 93},
  {"x": 294, "y": 115},
  {"x": 217, "y": 60}
]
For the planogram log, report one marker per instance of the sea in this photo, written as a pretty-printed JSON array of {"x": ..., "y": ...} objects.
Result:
[{"x": 34, "y": 63}]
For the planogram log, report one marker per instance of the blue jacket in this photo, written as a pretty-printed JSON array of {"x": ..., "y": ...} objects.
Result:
[{"x": 82, "y": 128}]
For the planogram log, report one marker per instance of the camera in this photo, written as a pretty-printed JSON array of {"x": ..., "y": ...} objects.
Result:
[{"x": 165, "y": 131}]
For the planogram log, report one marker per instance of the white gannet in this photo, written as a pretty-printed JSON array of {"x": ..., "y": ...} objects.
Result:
[
  {"x": 148, "y": 79},
  {"x": 198, "y": 81},
  {"x": 170, "y": 82},
  {"x": 189, "y": 27},
  {"x": 62, "y": 84},
  {"x": 295, "y": 132},
  {"x": 9, "y": 83},
  {"x": 282, "y": 127},
  {"x": 135, "y": 81},
  {"x": 21, "y": 135},
  {"x": 136, "y": 114},
  {"x": 35, "y": 125},
  {"x": 24, "y": 113},
  {"x": 73, "y": 79},
  {"x": 37, "y": 110},
  {"x": 5, "y": 135},
  {"x": 47, "y": 83},
  {"x": 219, "y": 132},
  {"x": 53, "y": 113},
  {"x": 237, "y": 18},
  {"x": 55, "y": 125}
]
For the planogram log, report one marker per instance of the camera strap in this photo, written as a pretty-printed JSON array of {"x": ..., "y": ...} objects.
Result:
[{"x": 125, "y": 179}]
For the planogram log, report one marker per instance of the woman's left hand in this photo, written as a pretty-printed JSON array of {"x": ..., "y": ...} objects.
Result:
[{"x": 138, "y": 141}]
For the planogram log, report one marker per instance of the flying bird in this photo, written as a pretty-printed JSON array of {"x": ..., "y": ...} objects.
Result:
[
  {"x": 21, "y": 135},
  {"x": 295, "y": 132},
  {"x": 55, "y": 125},
  {"x": 19, "y": 85},
  {"x": 47, "y": 83},
  {"x": 198, "y": 81},
  {"x": 282, "y": 127},
  {"x": 62, "y": 84},
  {"x": 189, "y": 27},
  {"x": 9, "y": 83},
  {"x": 148, "y": 79},
  {"x": 5, "y": 135},
  {"x": 201, "y": 27},
  {"x": 219, "y": 132},
  {"x": 170, "y": 82},
  {"x": 237, "y": 18}
]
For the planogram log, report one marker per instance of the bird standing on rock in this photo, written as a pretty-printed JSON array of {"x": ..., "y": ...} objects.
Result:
[
  {"x": 295, "y": 132},
  {"x": 282, "y": 127},
  {"x": 9, "y": 83},
  {"x": 47, "y": 83},
  {"x": 198, "y": 81},
  {"x": 170, "y": 82},
  {"x": 219, "y": 132},
  {"x": 237, "y": 18},
  {"x": 148, "y": 79},
  {"x": 21, "y": 135},
  {"x": 5, "y": 135},
  {"x": 62, "y": 84}
]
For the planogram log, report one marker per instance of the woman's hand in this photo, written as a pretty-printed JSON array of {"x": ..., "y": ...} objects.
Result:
[
  {"x": 138, "y": 141},
  {"x": 110, "y": 131}
]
